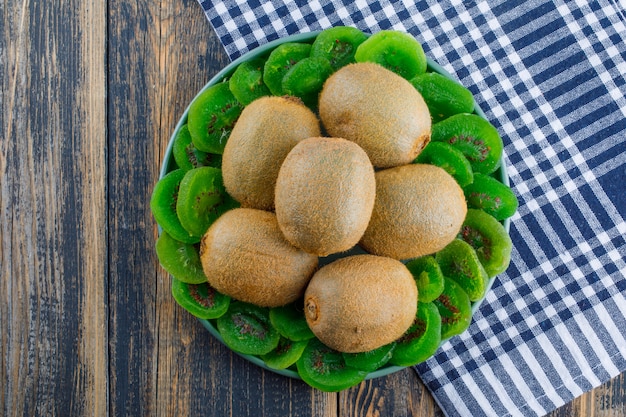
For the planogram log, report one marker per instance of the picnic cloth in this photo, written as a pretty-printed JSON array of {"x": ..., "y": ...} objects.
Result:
[{"x": 550, "y": 76}]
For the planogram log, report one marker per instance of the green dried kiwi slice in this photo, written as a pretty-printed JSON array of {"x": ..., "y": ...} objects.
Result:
[
  {"x": 443, "y": 96},
  {"x": 489, "y": 194},
  {"x": 187, "y": 156},
  {"x": 202, "y": 198},
  {"x": 325, "y": 369},
  {"x": 212, "y": 116},
  {"x": 459, "y": 262},
  {"x": 371, "y": 360},
  {"x": 286, "y": 354},
  {"x": 246, "y": 83},
  {"x": 421, "y": 340},
  {"x": 306, "y": 78},
  {"x": 454, "y": 308},
  {"x": 280, "y": 60},
  {"x": 489, "y": 239},
  {"x": 163, "y": 206},
  {"x": 181, "y": 260},
  {"x": 394, "y": 50},
  {"x": 338, "y": 45},
  {"x": 290, "y": 322},
  {"x": 475, "y": 137},
  {"x": 428, "y": 277},
  {"x": 246, "y": 329},
  {"x": 201, "y": 300},
  {"x": 449, "y": 158}
]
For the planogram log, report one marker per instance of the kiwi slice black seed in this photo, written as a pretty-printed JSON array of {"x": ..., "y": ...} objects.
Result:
[
  {"x": 338, "y": 45},
  {"x": 449, "y": 158},
  {"x": 211, "y": 117},
  {"x": 290, "y": 322},
  {"x": 181, "y": 260},
  {"x": 475, "y": 137},
  {"x": 163, "y": 206},
  {"x": 459, "y": 261},
  {"x": 454, "y": 308},
  {"x": 371, "y": 360},
  {"x": 489, "y": 239},
  {"x": 202, "y": 198},
  {"x": 246, "y": 329},
  {"x": 428, "y": 277},
  {"x": 325, "y": 369},
  {"x": 280, "y": 60},
  {"x": 246, "y": 83},
  {"x": 443, "y": 96},
  {"x": 201, "y": 300},
  {"x": 421, "y": 340},
  {"x": 187, "y": 156},
  {"x": 286, "y": 354},
  {"x": 492, "y": 196}
]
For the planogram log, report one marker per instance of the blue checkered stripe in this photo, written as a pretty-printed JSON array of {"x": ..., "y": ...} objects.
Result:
[{"x": 550, "y": 75}]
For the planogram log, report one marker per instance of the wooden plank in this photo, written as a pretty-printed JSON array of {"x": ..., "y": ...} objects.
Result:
[{"x": 52, "y": 204}]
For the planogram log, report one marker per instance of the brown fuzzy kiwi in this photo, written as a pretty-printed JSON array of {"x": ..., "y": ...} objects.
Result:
[
  {"x": 244, "y": 255},
  {"x": 325, "y": 195},
  {"x": 419, "y": 209},
  {"x": 267, "y": 129},
  {"x": 377, "y": 109},
  {"x": 360, "y": 302}
]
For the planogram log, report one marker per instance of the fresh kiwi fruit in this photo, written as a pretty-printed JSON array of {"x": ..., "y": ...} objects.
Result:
[
  {"x": 325, "y": 195},
  {"x": 419, "y": 209},
  {"x": 266, "y": 131},
  {"x": 360, "y": 302},
  {"x": 379, "y": 110},
  {"x": 244, "y": 255}
]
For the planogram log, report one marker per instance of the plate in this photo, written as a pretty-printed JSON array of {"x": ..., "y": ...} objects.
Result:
[{"x": 169, "y": 164}]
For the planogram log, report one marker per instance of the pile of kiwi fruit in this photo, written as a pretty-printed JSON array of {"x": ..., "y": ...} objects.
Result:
[{"x": 334, "y": 207}]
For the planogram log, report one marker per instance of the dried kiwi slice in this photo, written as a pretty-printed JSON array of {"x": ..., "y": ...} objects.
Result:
[
  {"x": 443, "y": 96},
  {"x": 454, "y": 308},
  {"x": 163, "y": 206},
  {"x": 371, "y": 360},
  {"x": 246, "y": 83},
  {"x": 446, "y": 156},
  {"x": 181, "y": 260},
  {"x": 202, "y": 198},
  {"x": 394, "y": 50},
  {"x": 325, "y": 369},
  {"x": 290, "y": 322},
  {"x": 428, "y": 277},
  {"x": 306, "y": 78},
  {"x": 246, "y": 329},
  {"x": 286, "y": 354},
  {"x": 475, "y": 137},
  {"x": 492, "y": 196},
  {"x": 338, "y": 45},
  {"x": 489, "y": 239},
  {"x": 421, "y": 340},
  {"x": 187, "y": 156},
  {"x": 201, "y": 300},
  {"x": 280, "y": 60},
  {"x": 211, "y": 117},
  {"x": 459, "y": 261}
]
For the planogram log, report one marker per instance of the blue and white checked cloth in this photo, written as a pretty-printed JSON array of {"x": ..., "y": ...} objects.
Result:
[{"x": 550, "y": 76}]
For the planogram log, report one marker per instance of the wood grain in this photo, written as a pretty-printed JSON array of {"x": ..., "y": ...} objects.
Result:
[
  {"x": 90, "y": 94},
  {"x": 53, "y": 205}
]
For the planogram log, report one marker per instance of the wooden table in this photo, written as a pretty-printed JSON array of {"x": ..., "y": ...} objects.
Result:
[{"x": 90, "y": 93}]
